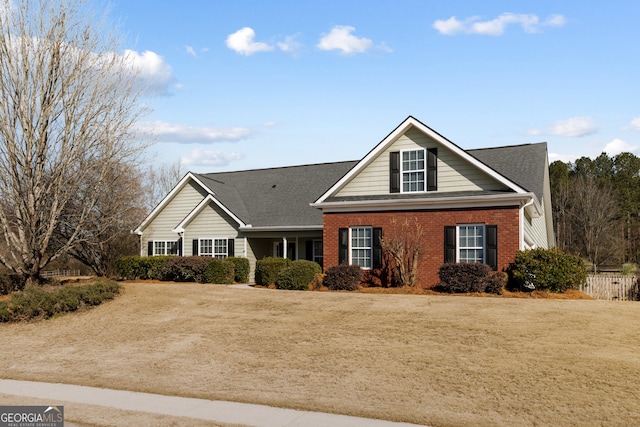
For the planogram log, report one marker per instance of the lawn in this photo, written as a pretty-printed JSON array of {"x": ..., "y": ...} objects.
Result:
[{"x": 436, "y": 360}]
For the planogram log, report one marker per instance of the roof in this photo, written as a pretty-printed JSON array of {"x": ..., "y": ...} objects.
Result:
[
  {"x": 522, "y": 164},
  {"x": 275, "y": 196}
]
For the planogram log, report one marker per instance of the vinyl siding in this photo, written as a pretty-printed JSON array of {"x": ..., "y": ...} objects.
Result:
[
  {"x": 537, "y": 231},
  {"x": 454, "y": 173},
  {"x": 160, "y": 228},
  {"x": 212, "y": 223}
]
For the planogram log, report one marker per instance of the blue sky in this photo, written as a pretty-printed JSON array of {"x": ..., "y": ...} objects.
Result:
[{"x": 253, "y": 84}]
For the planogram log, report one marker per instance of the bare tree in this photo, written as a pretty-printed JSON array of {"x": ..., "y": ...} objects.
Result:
[
  {"x": 594, "y": 216},
  {"x": 159, "y": 181},
  {"x": 68, "y": 103},
  {"x": 404, "y": 242}
]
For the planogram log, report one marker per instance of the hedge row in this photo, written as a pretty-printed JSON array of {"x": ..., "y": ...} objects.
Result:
[
  {"x": 184, "y": 269},
  {"x": 470, "y": 278},
  {"x": 37, "y": 302}
]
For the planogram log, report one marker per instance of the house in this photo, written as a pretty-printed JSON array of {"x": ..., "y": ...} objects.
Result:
[{"x": 479, "y": 205}]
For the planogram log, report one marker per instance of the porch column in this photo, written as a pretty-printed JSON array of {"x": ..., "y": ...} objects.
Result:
[{"x": 284, "y": 247}]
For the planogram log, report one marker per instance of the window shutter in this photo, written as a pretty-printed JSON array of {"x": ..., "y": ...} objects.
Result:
[
  {"x": 432, "y": 169},
  {"x": 231, "y": 243},
  {"x": 377, "y": 248},
  {"x": 492, "y": 246},
  {"x": 343, "y": 245},
  {"x": 150, "y": 248},
  {"x": 179, "y": 243},
  {"x": 195, "y": 247},
  {"x": 394, "y": 172},
  {"x": 308, "y": 250},
  {"x": 450, "y": 244}
]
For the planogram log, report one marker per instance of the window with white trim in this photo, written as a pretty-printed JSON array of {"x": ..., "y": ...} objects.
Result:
[
  {"x": 413, "y": 170},
  {"x": 217, "y": 248},
  {"x": 361, "y": 246},
  {"x": 471, "y": 243},
  {"x": 165, "y": 247}
]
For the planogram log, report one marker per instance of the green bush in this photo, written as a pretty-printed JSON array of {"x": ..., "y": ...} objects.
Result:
[
  {"x": 185, "y": 269},
  {"x": 10, "y": 282},
  {"x": 463, "y": 277},
  {"x": 298, "y": 275},
  {"x": 143, "y": 268},
  {"x": 38, "y": 302},
  {"x": 546, "y": 269},
  {"x": 220, "y": 271},
  {"x": 241, "y": 269},
  {"x": 343, "y": 277},
  {"x": 267, "y": 270},
  {"x": 496, "y": 282}
]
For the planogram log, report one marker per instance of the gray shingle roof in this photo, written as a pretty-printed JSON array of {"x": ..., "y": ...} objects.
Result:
[
  {"x": 281, "y": 196},
  {"x": 521, "y": 164},
  {"x": 276, "y": 196}
]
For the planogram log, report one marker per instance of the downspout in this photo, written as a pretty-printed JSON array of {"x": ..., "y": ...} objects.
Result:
[{"x": 522, "y": 208}]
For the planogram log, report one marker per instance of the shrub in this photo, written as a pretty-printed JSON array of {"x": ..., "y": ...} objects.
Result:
[
  {"x": 241, "y": 269},
  {"x": 37, "y": 302},
  {"x": 496, "y": 282},
  {"x": 10, "y": 282},
  {"x": 463, "y": 277},
  {"x": 219, "y": 271},
  {"x": 267, "y": 269},
  {"x": 298, "y": 275},
  {"x": 547, "y": 269},
  {"x": 137, "y": 267},
  {"x": 343, "y": 277},
  {"x": 185, "y": 269}
]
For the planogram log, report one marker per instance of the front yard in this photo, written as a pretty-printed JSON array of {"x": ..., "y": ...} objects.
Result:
[{"x": 437, "y": 360}]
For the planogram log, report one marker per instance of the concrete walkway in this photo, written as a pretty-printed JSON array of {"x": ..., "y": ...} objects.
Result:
[{"x": 211, "y": 410}]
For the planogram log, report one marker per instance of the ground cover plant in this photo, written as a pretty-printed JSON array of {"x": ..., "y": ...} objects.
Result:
[
  {"x": 434, "y": 360},
  {"x": 44, "y": 302}
]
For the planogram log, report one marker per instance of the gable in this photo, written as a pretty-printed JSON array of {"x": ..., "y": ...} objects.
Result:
[{"x": 454, "y": 173}]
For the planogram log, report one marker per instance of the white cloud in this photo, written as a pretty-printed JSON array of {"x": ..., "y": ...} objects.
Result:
[
  {"x": 497, "y": 26},
  {"x": 154, "y": 74},
  {"x": 183, "y": 134},
  {"x": 562, "y": 157},
  {"x": 634, "y": 125},
  {"x": 190, "y": 50},
  {"x": 201, "y": 157},
  {"x": 340, "y": 38},
  {"x": 575, "y": 126},
  {"x": 243, "y": 42},
  {"x": 290, "y": 44},
  {"x": 618, "y": 146}
]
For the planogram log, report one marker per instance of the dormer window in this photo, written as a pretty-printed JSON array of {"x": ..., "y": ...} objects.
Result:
[{"x": 413, "y": 171}]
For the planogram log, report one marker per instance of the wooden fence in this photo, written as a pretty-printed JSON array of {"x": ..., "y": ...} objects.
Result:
[
  {"x": 58, "y": 273},
  {"x": 612, "y": 287}
]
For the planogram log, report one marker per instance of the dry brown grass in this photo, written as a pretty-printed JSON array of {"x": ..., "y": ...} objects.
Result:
[{"x": 438, "y": 360}]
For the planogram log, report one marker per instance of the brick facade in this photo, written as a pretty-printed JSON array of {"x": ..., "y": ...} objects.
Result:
[{"x": 507, "y": 219}]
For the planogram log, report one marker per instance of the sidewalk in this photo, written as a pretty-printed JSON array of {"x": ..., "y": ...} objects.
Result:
[{"x": 211, "y": 410}]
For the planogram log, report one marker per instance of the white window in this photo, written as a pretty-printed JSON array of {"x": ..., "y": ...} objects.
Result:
[
  {"x": 413, "y": 171},
  {"x": 216, "y": 248},
  {"x": 165, "y": 247},
  {"x": 471, "y": 243},
  {"x": 361, "y": 246}
]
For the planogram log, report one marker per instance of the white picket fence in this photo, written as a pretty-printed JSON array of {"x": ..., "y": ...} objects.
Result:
[{"x": 612, "y": 287}]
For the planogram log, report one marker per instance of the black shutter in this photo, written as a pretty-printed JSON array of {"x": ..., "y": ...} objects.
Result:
[
  {"x": 432, "y": 169},
  {"x": 179, "y": 243},
  {"x": 150, "y": 248},
  {"x": 195, "y": 247},
  {"x": 343, "y": 245},
  {"x": 492, "y": 246},
  {"x": 231, "y": 243},
  {"x": 308, "y": 250},
  {"x": 394, "y": 172},
  {"x": 450, "y": 244},
  {"x": 377, "y": 248}
]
